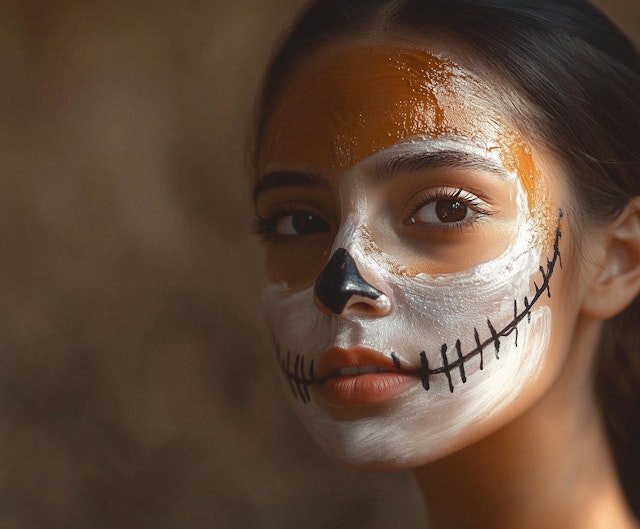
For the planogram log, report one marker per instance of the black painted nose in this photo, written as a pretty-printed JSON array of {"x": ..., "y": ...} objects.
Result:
[{"x": 340, "y": 282}]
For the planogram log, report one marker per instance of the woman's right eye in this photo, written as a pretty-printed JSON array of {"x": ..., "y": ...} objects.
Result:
[
  {"x": 300, "y": 223},
  {"x": 294, "y": 224}
]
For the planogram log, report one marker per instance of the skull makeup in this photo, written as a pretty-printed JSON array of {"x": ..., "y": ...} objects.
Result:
[{"x": 410, "y": 254}]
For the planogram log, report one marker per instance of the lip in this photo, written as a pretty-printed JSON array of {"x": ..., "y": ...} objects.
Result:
[{"x": 358, "y": 376}]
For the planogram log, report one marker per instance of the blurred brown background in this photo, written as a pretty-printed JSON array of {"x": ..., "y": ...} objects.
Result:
[{"x": 137, "y": 386}]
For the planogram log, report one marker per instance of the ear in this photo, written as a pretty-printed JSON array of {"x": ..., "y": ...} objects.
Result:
[{"x": 616, "y": 282}]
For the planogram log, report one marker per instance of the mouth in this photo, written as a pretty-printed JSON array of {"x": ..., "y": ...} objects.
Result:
[
  {"x": 358, "y": 370},
  {"x": 336, "y": 362},
  {"x": 347, "y": 377}
]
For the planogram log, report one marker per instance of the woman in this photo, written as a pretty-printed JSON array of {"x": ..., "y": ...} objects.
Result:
[{"x": 448, "y": 192}]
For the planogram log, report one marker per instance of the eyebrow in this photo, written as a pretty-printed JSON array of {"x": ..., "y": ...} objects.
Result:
[
  {"x": 388, "y": 168},
  {"x": 277, "y": 179},
  {"x": 449, "y": 159}
]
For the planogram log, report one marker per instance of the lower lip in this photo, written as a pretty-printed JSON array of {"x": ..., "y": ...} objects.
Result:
[{"x": 372, "y": 388}]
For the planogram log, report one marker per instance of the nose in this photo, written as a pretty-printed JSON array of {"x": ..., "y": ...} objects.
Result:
[{"x": 341, "y": 290}]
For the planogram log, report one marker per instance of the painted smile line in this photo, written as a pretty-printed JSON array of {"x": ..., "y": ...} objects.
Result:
[{"x": 300, "y": 377}]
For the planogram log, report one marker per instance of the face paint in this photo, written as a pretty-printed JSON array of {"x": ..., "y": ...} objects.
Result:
[
  {"x": 472, "y": 339},
  {"x": 333, "y": 114},
  {"x": 404, "y": 347},
  {"x": 337, "y": 113}
]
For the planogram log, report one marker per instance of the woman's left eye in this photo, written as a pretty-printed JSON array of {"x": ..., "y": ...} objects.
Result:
[
  {"x": 447, "y": 207},
  {"x": 442, "y": 211}
]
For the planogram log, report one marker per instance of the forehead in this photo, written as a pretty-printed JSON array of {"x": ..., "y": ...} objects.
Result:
[{"x": 351, "y": 100}]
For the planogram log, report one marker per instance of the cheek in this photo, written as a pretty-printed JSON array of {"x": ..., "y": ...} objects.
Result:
[
  {"x": 297, "y": 265},
  {"x": 423, "y": 254},
  {"x": 425, "y": 426}
]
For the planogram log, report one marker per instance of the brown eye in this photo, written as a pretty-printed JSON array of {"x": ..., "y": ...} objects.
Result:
[
  {"x": 450, "y": 210},
  {"x": 442, "y": 211},
  {"x": 300, "y": 223}
]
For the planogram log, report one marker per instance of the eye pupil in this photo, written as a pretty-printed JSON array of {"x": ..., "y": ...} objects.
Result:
[
  {"x": 451, "y": 210},
  {"x": 305, "y": 223}
]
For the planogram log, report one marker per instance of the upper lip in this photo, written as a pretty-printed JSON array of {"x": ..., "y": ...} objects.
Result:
[{"x": 353, "y": 361}]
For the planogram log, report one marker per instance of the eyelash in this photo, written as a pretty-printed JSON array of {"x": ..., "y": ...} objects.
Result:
[
  {"x": 461, "y": 195},
  {"x": 265, "y": 225}
]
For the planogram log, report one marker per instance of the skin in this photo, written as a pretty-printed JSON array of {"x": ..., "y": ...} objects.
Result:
[{"x": 349, "y": 108}]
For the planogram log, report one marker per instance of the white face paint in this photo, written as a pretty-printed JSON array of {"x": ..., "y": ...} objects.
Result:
[{"x": 492, "y": 318}]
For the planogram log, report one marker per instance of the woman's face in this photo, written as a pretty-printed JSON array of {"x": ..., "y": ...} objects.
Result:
[{"x": 413, "y": 254}]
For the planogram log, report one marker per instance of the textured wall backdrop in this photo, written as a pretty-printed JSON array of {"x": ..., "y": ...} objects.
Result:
[{"x": 137, "y": 386}]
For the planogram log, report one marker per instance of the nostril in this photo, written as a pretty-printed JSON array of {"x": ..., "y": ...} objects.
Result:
[
  {"x": 366, "y": 307},
  {"x": 362, "y": 308}
]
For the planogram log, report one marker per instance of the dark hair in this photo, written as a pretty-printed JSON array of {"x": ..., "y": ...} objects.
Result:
[{"x": 580, "y": 80}]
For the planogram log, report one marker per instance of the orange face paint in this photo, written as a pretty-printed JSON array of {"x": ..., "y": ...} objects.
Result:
[
  {"x": 348, "y": 102},
  {"x": 337, "y": 110}
]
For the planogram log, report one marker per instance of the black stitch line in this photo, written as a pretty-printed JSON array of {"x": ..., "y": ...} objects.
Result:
[
  {"x": 515, "y": 315},
  {"x": 495, "y": 338},
  {"x": 479, "y": 347},
  {"x": 463, "y": 375},
  {"x": 291, "y": 375},
  {"x": 445, "y": 365},
  {"x": 296, "y": 379},
  {"x": 301, "y": 380},
  {"x": 396, "y": 360},
  {"x": 305, "y": 382},
  {"x": 544, "y": 277},
  {"x": 424, "y": 370}
]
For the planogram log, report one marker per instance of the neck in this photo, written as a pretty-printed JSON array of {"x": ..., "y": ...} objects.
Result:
[{"x": 550, "y": 468}]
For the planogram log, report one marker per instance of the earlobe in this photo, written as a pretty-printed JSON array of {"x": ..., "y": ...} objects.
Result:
[{"x": 616, "y": 283}]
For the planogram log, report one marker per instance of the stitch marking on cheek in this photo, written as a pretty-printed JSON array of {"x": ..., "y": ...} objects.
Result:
[
  {"x": 396, "y": 361},
  {"x": 479, "y": 347},
  {"x": 515, "y": 315},
  {"x": 495, "y": 338},
  {"x": 445, "y": 365},
  {"x": 463, "y": 375},
  {"x": 300, "y": 379},
  {"x": 511, "y": 327},
  {"x": 424, "y": 370}
]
